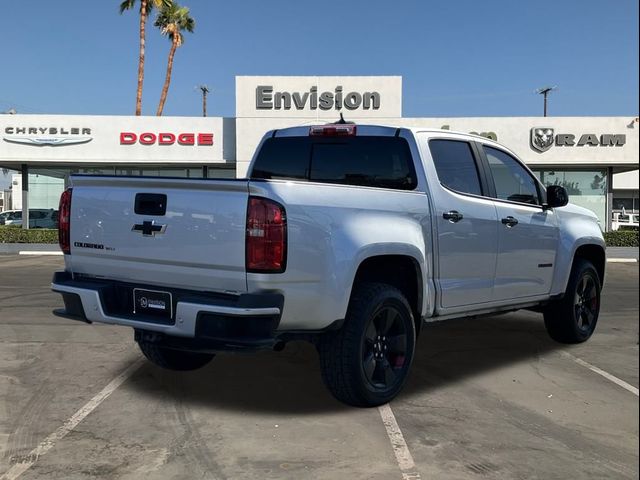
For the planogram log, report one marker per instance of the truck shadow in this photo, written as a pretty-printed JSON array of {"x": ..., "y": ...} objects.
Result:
[{"x": 289, "y": 382}]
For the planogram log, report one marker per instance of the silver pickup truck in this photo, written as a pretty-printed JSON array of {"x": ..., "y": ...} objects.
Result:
[{"x": 348, "y": 236}]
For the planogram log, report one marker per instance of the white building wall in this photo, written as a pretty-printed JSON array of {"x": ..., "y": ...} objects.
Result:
[
  {"x": 626, "y": 181},
  {"x": 253, "y": 122},
  {"x": 16, "y": 191},
  {"x": 513, "y": 132},
  {"x": 77, "y": 140}
]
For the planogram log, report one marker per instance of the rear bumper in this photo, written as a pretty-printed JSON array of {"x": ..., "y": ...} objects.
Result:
[{"x": 224, "y": 322}]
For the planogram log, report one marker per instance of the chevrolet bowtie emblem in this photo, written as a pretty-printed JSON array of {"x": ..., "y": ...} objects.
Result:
[{"x": 148, "y": 228}]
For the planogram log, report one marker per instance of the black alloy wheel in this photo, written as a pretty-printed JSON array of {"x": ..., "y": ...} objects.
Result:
[
  {"x": 573, "y": 318},
  {"x": 367, "y": 361},
  {"x": 385, "y": 346},
  {"x": 586, "y": 303}
]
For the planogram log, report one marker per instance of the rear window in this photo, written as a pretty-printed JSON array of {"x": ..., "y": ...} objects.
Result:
[
  {"x": 383, "y": 162},
  {"x": 456, "y": 166}
]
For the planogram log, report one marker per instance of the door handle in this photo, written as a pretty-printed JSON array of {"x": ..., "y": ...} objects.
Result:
[
  {"x": 510, "y": 221},
  {"x": 453, "y": 216}
]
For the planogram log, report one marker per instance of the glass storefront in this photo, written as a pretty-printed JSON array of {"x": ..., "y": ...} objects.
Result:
[
  {"x": 586, "y": 188},
  {"x": 626, "y": 201}
]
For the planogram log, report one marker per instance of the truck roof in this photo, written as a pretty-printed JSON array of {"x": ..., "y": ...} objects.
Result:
[{"x": 380, "y": 130}]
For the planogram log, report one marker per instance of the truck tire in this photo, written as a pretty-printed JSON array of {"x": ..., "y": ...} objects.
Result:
[
  {"x": 367, "y": 361},
  {"x": 174, "y": 359},
  {"x": 573, "y": 318}
]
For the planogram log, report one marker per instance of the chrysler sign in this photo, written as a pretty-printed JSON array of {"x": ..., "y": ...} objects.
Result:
[{"x": 49, "y": 136}]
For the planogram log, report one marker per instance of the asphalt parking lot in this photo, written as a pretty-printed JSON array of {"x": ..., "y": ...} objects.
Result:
[{"x": 490, "y": 398}]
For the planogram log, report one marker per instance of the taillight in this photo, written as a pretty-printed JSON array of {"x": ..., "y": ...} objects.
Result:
[
  {"x": 333, "y": 130},
  {"x": 266, "y": 236},
  {"x": 64, "y": 224}
]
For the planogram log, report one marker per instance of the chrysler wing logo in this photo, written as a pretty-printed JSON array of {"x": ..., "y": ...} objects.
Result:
[
  {"x": 542, "y": 138},
  {"x": 148, "y": 228},
  {"x": 49, "y": 141}
]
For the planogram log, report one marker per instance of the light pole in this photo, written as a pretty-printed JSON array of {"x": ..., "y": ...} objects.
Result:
[
  {"x": 545, "y": 91},
  {"x": 205, "y": 90}
]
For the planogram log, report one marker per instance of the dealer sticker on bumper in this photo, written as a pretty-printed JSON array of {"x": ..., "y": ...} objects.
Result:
[{"x": 152, "y": 302}]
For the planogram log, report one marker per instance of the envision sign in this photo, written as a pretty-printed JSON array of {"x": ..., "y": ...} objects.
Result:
[
  {"x": 543, "y": 138},
  {"x": 267, "y": 99}
]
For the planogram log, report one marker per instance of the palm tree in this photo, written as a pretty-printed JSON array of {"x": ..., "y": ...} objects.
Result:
[
  {"x": 172, "y": 21},
  {"x": 145, "y": 9}
]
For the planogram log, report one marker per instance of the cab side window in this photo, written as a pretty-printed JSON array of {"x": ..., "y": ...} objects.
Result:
[
  {"x": 512, "y": 181},
  {"x": 456, "y": 166}
]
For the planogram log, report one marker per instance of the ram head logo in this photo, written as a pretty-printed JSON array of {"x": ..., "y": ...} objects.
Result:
[{"x": 542, "y": 138}]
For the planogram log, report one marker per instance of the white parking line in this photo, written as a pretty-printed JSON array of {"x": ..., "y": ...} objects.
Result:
[
  {"x": 622, "y": 260},
  {"x": 400, "y": 449},
  {"x": 48, "y": 443},
  {"x": 601, "y": 372}
]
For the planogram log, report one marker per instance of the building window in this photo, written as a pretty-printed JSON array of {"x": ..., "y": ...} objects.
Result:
[
  {"x": 224, "y": 171},
  {"x": 586, "y": 188},
  {"x": 622, "y": 202}
]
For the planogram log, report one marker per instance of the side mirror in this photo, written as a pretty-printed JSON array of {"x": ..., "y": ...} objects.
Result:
[{"x": 557, "y": 196}]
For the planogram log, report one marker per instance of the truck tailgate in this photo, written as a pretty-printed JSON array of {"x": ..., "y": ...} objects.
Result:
[{"x": 197, "y": 243}]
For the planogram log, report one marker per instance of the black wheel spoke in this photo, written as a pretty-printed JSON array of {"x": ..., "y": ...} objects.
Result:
[
  {"x": 389, "y": 374},
  {"x": 397, "y": 343},
  {"x": 589, "y": 317},
  {"x": 583, "y": 285},
  {"x": 386, "y": 320},
  {"x": 590, "y": 290},
  {"x": 578, "y": 314},
  {"x": 377, "y": 377},
  {"x": 369, "y": 365},
  {"x": 370, "y": 334}
]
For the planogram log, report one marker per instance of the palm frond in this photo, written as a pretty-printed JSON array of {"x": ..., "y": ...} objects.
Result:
[
  {"x": 127, "y": 5},
  {"x": 172, "y": 20}
]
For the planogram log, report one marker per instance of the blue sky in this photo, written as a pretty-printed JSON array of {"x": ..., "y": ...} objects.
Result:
[{"x": 457, "y": 58}]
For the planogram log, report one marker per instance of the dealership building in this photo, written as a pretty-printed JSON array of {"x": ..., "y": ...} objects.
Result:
[{"x": 595, "y": 158}]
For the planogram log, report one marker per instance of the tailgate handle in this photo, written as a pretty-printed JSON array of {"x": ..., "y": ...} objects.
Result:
[{"x": 151, "y": 204}]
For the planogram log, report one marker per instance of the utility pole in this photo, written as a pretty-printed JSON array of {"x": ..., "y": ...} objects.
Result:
[
  {"x": 204, "y": 89},
  {"x": 545, "y": 91}
]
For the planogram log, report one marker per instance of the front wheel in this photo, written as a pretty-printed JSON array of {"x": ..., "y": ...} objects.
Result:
[
  {"x": 573, "y": 318},
  {"x": 174, "y": 359},
  {"x": 366, "y": 362}
]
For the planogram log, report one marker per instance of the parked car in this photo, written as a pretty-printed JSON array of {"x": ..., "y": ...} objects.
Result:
[
  {"x": 348, "y": 236},
  {"x": 38, "y": 218}
]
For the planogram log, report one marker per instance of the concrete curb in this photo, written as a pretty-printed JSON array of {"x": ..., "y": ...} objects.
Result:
[
  {"x": 32, "y": 253},
  {"x": 16, "y": 248}
]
